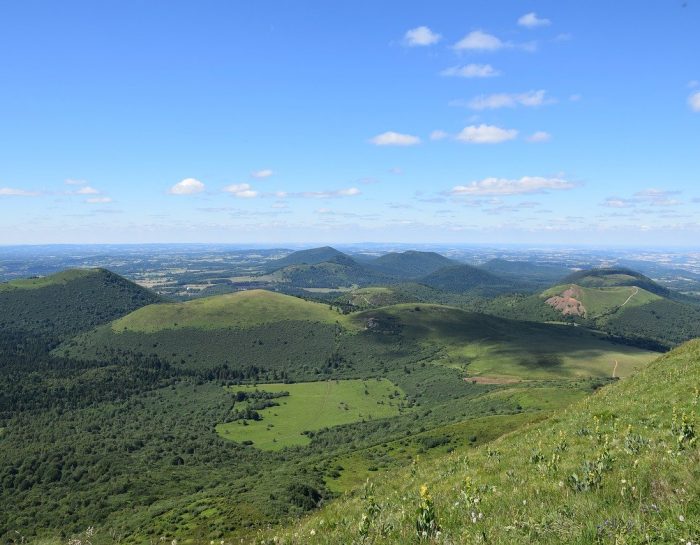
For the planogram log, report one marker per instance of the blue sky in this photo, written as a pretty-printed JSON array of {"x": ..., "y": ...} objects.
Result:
[{"x": 257, "y": 121}]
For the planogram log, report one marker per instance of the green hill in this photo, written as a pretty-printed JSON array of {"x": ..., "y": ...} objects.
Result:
[
  {"x": 615, "y": 277},
  {"x": 69, "y": 302},
  {"x": 240, "y": 310},
  {"x": 525, "y": 272},
  {"x": 410, "y": 264},
  {"x": 468, "y": 279},
  {"x": 307, "y": 257},
  {"x": 280, "y": 333},
  {"x": 340, "y": 271},
  {"x": 620, "y": 467},
  {"x": 618, "y": 301}
]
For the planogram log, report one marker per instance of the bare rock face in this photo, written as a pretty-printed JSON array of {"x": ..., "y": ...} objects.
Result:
[{"x": 567, "y": 302}]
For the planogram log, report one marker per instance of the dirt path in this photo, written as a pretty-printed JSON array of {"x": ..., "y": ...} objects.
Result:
[
  {"x": 635, "y": 292},
  {"x": 614, "y": 369}
]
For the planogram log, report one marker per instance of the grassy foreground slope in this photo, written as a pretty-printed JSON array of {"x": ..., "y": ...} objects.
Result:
[
  {"x": 69, "y": 302},
  {"x": 622, "y": 466}
]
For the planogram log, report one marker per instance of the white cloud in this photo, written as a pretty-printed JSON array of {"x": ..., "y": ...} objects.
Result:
[
  {"x": 98, "y": 200},
  {"x": 188, "y": 186},
  {"x": 438, "y": 135},
  {"x": 530, "y": 20},
  {"x": 242, "y": 191},
  {"x": 694, "y": 101},
  {"x": 539, "y": 136},
  {"x": 396, "y": 170},
  {"x": 486, "y": 134},
  {"x": 479, "y": 40},
  {"x": 349, "y": 192},
  {"x": 87, "y": 190},
  {"x": 261, "y": 174},
  {"x": 575, "y": 97},
  {"x": 505, "y": 186},
  {"x": 15, "y": 192},
  {"x": 74, "y": 182},
  {"x": 421, "y": 36},
  {"x": 471, "y": 71},
  {"x": 391, "y": 138},
  {"x": 509, "y": 100}
]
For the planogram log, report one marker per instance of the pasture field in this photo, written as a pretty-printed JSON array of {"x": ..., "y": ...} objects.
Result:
[{"x": 311, "y": 406}]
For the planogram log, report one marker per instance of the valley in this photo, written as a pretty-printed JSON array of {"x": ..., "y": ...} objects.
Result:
[{"x": 289, "y": 400}]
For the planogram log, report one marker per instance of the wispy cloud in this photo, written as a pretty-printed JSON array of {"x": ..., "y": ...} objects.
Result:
[
  {"x": 87, "y": 190},
  {"x": 420, "y": 36},
  {"x": 391, "y": 138},
  {"x": 658, "y": 197},
  {"x": 505, "y": 186},
  {"x": 539, "y": 137},
  {"x": 75, "y": 182},
  {"x": 188, "y": 186},
  {"x": 438, "y": 135},
  {"x": 617, "y": 202},
  {"x": 262, "y": 174},
  {"x": 98, "y": 200},
  {"x": 531, "y": 20},
  {"x": 329, "y": 194},
  {"x": 647, "y": 197},
  {"x": 694, "y": 101},
  {"x": 16, "y": 192},
  {"x": 529, "y": 99},
  {"x": 471, "y": 71},
  {"x": 486, "y": 134}
]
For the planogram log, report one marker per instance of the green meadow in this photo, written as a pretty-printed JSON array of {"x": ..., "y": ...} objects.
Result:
[
  {"x": 242, "y": 309},
  {"x": 311, "y": 406}
]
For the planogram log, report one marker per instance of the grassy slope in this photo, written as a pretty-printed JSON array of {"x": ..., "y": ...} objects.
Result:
[
  {"x": 642, "y": 472},
  {"x": 485, "y": 345},
  {"x": 604, "y": 300},
  {"x": 243, "y": 309},
  {"x": 312, "y": 406},
  {"x": 60, "y": 278}
]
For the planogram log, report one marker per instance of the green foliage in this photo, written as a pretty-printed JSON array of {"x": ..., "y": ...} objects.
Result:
[
  {"x": 410, "y": 264},
  {"x": 469, "y": 279}
]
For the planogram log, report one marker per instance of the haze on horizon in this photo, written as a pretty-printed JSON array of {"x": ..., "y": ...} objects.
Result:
[{"x": 265, "y": 122}]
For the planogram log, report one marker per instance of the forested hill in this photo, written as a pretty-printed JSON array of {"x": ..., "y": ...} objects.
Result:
[
  {"x": 468, "y": 279},
  {"x": 312, "y": 256},
  {"x": 615, "y": 277},
  {"x": 410, "y": 264},
  {"x": 69, "y": 302}
]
